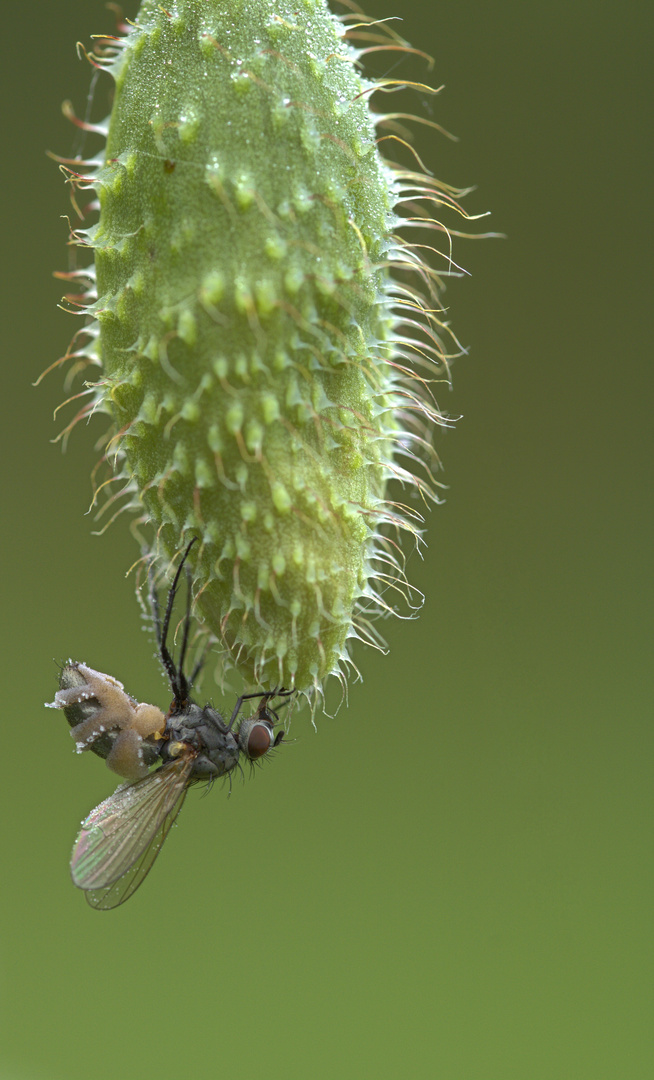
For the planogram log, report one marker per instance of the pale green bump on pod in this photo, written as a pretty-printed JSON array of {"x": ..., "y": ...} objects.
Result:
[{"x": 266, "y": 337}]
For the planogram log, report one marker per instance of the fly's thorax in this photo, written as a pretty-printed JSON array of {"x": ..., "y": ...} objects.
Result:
[{"x": 205, "y": 731}]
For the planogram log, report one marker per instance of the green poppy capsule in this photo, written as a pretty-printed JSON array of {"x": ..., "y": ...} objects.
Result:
[{"x": 266, "y": 333}]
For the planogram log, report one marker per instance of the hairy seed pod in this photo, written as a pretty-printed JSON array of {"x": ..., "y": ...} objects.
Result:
[{"x": 266, "y": 335}]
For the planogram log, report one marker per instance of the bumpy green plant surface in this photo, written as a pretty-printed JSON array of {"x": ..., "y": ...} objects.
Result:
[{"x": 266, "y": 337}]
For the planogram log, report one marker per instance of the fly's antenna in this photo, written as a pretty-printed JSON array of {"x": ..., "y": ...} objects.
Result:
[{"x": 178, "y": 681}]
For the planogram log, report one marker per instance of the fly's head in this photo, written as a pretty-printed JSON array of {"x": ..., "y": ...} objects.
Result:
[{"x": 256, "y": 734}]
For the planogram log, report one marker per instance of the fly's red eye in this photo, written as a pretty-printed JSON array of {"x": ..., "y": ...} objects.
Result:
[{"x": 259, "y": 741}]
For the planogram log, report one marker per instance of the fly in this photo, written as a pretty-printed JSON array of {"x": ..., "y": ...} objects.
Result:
[{"x": 121, "y": 838}]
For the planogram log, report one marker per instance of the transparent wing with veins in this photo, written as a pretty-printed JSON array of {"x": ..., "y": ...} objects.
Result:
[{"x": 122, "y": 837}]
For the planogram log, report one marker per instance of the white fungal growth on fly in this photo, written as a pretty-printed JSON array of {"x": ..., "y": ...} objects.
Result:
[
  {"x": 104, "y": 718},
  {"x": 268, "y": 336}
]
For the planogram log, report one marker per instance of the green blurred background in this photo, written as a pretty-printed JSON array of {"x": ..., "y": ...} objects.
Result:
[{"x": 452, "y": 878}]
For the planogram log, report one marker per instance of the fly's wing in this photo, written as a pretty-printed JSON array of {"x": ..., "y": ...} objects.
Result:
[{"x": 122, "y": 837}]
